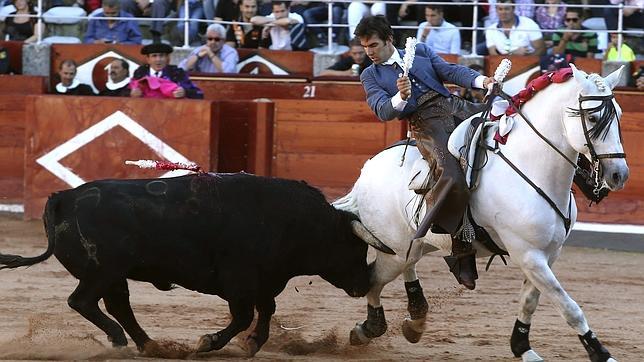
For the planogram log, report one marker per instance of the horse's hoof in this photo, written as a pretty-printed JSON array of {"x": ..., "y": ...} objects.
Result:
[
  {"x": 357, "y": 336},
  {"x": 531, "y": 356},
  {"x": 413, "y": 330},
  {"x": 205, "y": 343}
]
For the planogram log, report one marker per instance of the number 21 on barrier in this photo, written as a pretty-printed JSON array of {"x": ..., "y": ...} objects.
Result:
[{"x": 309, "y": 91}]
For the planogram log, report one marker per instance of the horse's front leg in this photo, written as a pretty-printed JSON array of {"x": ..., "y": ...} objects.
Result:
[
  {"x": 534, "y": 265},
  {"x": 414, "y": 326}
]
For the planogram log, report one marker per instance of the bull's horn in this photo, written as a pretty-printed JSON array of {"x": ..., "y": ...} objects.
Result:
[{"x": 361, "y": 231}]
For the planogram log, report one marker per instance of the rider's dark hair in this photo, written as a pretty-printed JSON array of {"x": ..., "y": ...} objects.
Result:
[{"x": 374, "y": 25}]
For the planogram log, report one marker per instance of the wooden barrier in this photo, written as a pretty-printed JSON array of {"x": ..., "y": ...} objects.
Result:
[
  {"x": 241, "y": 87},
  {"x": 91, "y": 137},
  {"x": 327, "y": 142},
  {"x": 12, "y": 132}
]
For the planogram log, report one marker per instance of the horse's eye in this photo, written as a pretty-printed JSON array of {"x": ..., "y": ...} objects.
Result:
[{"x": 592, "y": 119}]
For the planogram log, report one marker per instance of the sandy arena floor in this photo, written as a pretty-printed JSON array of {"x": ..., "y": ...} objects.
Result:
[{"x": 37, "y": 324}]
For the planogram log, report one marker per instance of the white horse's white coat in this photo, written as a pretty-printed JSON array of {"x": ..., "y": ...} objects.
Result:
[{"x": 510, "y": 210}]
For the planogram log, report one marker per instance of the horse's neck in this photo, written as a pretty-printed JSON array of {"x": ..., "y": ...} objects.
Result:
[{"x": 542, "y": 163}]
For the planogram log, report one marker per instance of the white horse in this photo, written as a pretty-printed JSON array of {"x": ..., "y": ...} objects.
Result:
[{"x": 569, "y": 115}]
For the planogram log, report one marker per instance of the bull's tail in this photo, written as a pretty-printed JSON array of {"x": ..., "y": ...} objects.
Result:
[
  {"x": 8, "y": 261},
  {"x": 348, "y": 202}
]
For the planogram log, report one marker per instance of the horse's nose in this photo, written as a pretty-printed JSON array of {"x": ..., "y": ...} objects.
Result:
[{"x": 618, "y": 179}]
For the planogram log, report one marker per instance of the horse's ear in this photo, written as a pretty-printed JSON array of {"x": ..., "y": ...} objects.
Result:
[
  {"x": 613, "y": 78},
  {"x": 580, "y": 76}
]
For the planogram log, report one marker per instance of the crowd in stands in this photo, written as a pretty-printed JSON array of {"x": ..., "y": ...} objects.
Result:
[{"x": 553, "y": 29}]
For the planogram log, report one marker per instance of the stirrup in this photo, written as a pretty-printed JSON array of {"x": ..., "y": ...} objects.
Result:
[{"x": 463, "y": 263}]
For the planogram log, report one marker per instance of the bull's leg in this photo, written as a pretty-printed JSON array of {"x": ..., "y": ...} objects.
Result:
[
  {"x": 242, "y": 313},
  {"x": 259, "y": 335},
  {"x": 534, "y": 264},
  {"x": 117, "y": 303},
  {"x": 85, "y": 299},
  {"x": 417, "y": 306},
  {"x": 520, "y": 340}
]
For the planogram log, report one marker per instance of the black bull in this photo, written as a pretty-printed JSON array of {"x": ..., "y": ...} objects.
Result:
[{"x": 238, "y": 236}]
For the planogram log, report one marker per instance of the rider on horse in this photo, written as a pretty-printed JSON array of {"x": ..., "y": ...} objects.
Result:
[{"x": 422, "y": 98}]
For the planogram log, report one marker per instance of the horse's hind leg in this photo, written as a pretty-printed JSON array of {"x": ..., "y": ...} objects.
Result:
[
  {"x": 85, "y": 299},
  {"x": 117, "y": 303},
  {"x": 535, "y": 266},
  {"x": 417, "y": 306},
  {"x": 520, "y": 340}
]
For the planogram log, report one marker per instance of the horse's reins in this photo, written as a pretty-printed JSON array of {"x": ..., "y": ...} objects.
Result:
[{"x": 594, "y": 156}]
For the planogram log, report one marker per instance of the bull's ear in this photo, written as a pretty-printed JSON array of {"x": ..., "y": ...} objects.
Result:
[{"x": 613, "y": 78}]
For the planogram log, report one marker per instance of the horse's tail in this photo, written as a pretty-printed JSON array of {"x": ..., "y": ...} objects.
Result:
[
  {"x": 8, "y": 261},
  {"x": 348, "y": 202}
]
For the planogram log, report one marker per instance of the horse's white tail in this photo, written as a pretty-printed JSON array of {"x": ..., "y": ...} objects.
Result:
[{"x": 348, "y": 202}]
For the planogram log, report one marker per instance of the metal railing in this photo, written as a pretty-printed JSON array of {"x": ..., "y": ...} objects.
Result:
[{"x": 330, "y": 25}]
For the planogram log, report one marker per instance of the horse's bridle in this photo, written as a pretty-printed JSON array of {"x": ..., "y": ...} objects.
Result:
[
  {"x": 595, "y": 158},
  {"x": 594, "y": 175}
]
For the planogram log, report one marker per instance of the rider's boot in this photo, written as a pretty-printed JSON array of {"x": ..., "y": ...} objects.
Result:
[{"x": 462, "y": 263}]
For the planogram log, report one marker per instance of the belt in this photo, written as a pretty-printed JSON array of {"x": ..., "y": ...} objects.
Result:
[{"x": 429, "y": 96}]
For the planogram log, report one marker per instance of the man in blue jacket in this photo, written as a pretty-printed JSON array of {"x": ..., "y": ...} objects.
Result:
[{"x": 422, "y": 98}]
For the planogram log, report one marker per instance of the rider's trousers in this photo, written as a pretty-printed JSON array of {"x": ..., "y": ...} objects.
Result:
[{"x": 431, "y": 126}]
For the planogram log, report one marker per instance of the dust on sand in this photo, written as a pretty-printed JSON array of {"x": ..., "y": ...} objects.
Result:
[{"x": 313, "y": 319}]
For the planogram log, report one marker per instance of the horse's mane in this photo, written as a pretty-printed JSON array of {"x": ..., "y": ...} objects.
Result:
[{"x": 607, "y": 107}]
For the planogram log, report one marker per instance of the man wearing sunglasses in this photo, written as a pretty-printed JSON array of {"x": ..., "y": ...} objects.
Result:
[
  {"x": 213, "y": 57},
  {"x": 576, "y": 44}
]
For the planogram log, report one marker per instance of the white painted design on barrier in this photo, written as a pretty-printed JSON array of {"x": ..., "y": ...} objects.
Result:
[
  {"x": 275, "y": 69},
  {"x": 50, "y": 160},
  {"x": 15, "y": 208}
]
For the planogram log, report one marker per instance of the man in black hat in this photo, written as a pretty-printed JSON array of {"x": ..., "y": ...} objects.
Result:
[{"x": 158, "y": 58}]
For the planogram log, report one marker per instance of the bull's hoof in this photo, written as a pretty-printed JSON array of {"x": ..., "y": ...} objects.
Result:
[
  {"x": 357, "y": 336},
  {"x": 206, "y": 343},
  {"x": 119, "y": 341},
  {"x": 531, "y": 356},
  {"x": 413, "y": 329},
  {"x": 252, "y": 347}
]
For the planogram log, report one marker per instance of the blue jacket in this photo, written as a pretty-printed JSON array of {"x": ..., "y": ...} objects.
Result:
[
  {"x": 379, "y": 81},
  {"x": 124, "y": 32}
]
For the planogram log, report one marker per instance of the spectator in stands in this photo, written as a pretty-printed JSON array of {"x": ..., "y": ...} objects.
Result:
[
  {"x": 103, "y": 28},
  {"x": 583, "y": 45},
  {"x": 358, "y": 10},
  {"x": 245, "y": 36},
  {"x": 118, "y": 82},
  {"x": 138, "y": 8},
  {"x": 550, "y": 16},
  {"x": 162, "y": 8},
  {"x": 639, "y": 78},
  {"x": 318, "y": 13},
  {"x": 513, "y": 34},
  {"x": 345, "y": 66},
  {"x": 283, "y": 30},
  {"x": 18, "y": 25},
  {"x": 213, "y": 57},
  {"x": 611, "y": 51},
  {"x": 437, "y": 33},
  {"x": 521, "y": 8},
  {"x": 69, "y": 85},
  {"x": 633, "y": 17},
  {"x": 158, "y": 76}
]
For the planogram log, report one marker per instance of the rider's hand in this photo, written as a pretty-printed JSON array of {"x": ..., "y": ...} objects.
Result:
[
  {"x": 404, "y": 87},
  {"x": 488, "y": 82}
]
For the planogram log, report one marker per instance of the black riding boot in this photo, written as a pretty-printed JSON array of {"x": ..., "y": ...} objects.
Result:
[{"x": 462, "y": 263}]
